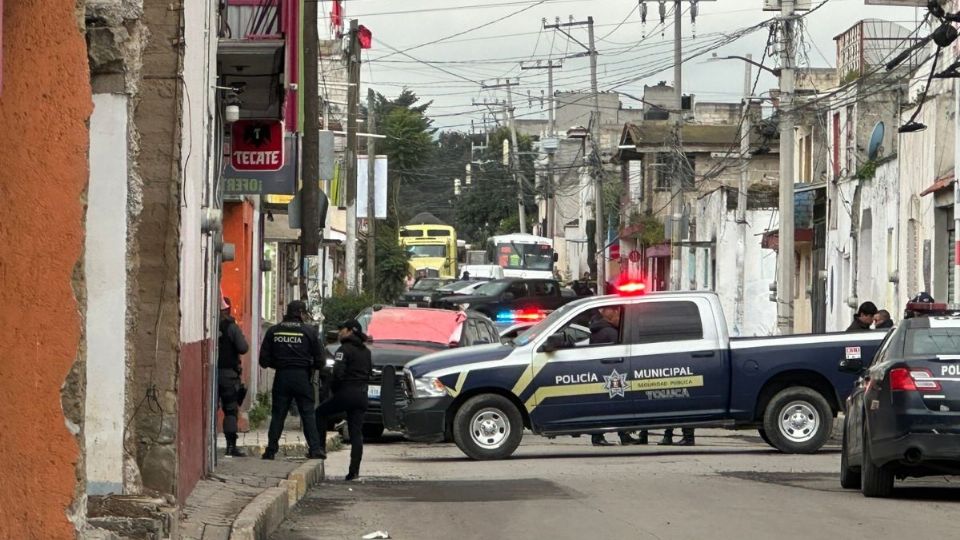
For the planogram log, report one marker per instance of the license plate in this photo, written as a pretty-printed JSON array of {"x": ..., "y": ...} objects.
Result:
[{"x": 373, "y": 392}]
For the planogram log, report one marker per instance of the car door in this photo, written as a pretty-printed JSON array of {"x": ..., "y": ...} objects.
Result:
[
  {"x": 679, "y": 368},
  {"x": 584, "y": 385},
  {"x": 853, "y": 416}
]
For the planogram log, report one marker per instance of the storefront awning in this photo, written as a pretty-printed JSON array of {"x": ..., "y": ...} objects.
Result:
[{"x": 943, "y": 182}]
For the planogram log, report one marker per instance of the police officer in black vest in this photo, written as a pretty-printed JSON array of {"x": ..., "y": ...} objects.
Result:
[
  {"x": 352, "y": 369},
  {"x": 294, "y": 350},
  {"x": 231, "y": 345}
]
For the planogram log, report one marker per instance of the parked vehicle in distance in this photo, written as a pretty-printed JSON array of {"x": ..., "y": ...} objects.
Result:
[
  {"x": 482, "y": 271},
  {"x": 510, "y": 295},
  {"x": 903, "y": 418},
  {"x": 432, "y": 245},
  {"x": 423, "y": 292},
  {"x": 522, "y": 255},
  {"x": 670, "y": 364},
  {"x": 399, "y": 335}
]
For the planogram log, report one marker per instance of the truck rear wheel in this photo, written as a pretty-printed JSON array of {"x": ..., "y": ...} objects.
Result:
[
  {"x": 798, "y": 420},
  {"x": 488, "y": 426}
]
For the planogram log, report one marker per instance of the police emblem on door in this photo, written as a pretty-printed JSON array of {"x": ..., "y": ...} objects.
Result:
[{"x": 615, "y": 384}]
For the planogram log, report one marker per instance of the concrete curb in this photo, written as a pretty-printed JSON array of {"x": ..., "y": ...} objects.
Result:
[{"x": 264, "y": 514}]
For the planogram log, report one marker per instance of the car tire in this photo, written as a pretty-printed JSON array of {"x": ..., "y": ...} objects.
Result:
[
  {"x": 875, "y": 481},
  {"x": 849, "y": 476},
  {"x": 798, "y": 420},
  {"x": 488, "y": 427},
  {"x": 765, "y": 437}
]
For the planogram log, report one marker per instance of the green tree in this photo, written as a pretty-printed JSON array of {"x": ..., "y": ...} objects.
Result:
[{"x": 489, "y": 206}]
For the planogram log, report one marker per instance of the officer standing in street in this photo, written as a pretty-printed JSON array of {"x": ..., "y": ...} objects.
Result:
[
  {"x": 294, "y": 350},
  {"x": 230, "y": 388},
  {"x": 352, "y": 370},
  {"x": 605, "y": 330}
]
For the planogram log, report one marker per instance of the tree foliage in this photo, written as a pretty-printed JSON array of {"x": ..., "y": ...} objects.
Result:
[{"x": 489, "y": 205}]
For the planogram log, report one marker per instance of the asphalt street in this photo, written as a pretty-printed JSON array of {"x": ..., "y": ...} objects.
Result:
[{"x": 730, "y": 486}]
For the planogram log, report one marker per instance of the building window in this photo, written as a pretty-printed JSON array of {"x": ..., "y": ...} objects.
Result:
[{"x": 664, "y": 169}]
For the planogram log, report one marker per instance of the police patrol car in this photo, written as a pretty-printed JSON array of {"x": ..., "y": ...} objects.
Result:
[{"x": 672, "y": 364}]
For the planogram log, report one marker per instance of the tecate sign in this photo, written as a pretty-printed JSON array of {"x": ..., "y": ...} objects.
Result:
[{"x": 257, "y": 145}]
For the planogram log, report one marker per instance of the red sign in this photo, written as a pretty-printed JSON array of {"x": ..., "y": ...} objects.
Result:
[
  {"x": 257, "y": 145},
  {"x": 615, "y": 251},
  {"x": 634, "y": 256}
]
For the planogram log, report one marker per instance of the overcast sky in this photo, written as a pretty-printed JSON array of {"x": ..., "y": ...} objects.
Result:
[{"x": 631, "y": 53}]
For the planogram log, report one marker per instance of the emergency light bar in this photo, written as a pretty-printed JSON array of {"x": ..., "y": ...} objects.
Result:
[
  {"x": 521, "y": 316},
  {"x": 631, "y": 288},
  {"x": 934, "y": 309}
]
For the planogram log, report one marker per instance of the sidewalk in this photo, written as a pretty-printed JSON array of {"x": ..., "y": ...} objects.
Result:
[{"x": 249, "y": 497}]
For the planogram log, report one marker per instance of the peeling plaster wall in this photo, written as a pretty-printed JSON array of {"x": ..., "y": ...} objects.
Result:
[
  {"x": 106, "y": 278},
  {"x": 715, "y": 222},
  {"x": 46, "y": 104}
]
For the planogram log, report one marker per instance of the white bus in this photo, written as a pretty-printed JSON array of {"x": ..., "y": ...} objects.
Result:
[{"x": 522, "y": 255}]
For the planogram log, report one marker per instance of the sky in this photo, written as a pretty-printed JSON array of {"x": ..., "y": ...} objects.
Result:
[{"x": 451, "y": 47}]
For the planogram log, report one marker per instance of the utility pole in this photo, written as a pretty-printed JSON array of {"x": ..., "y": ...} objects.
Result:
[
  {"x": 742, "y": 194},
  {"x": 785, "y": 268},
  {"x": 310, "y": 193},
  {"x": 601, "y": 237},
  {"x": 676, "y": 187},
  {"x": 371, "y": 191},
  {"x": 552, "y": 132},
  {"x": 515, "y": 150},
  {"x": 353, "y": 104}
]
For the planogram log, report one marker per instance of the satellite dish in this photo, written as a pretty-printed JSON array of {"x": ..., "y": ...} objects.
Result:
[{"x": 876, "y": 139}]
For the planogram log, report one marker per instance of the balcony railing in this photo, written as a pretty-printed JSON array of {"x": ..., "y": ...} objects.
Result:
[{"x": 252, "y": 19}]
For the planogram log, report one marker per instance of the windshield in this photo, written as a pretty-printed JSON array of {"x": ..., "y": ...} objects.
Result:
[
  {"x": 420, "y": 252},
  {"x": 525, "y": 256},
  {"x": 932, "y": 341},
  {"x": 492, "y": 288},
  {"x": 427, "y": 284},
  {"x": 531, "y": 333},
  {"x": 456, "y": 285}
]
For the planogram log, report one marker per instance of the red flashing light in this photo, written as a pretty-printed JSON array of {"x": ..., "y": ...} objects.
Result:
[
  {"x": 526, "y": 315},
  {"x": 631, "y": 288}
]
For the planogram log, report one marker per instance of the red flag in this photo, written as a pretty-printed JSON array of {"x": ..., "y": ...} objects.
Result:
[
  {"x": 336, "y": 16},
  {"x": 365, "y": 37}
]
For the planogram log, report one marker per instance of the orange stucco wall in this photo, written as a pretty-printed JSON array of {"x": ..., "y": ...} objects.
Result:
[{"x": 44, "y": 106}]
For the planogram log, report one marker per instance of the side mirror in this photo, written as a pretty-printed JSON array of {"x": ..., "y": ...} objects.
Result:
[
  {"x": 554, "y": 343},
  {"x": 851, "y": 365}
]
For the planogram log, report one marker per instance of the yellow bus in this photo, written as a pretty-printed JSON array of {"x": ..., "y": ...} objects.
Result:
[{"x": 432, "y": 248}]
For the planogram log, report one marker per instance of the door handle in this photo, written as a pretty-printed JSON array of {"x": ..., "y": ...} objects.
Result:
[
  {"x": 708, "y": 354},
  {"x": 612, "y": 361}
]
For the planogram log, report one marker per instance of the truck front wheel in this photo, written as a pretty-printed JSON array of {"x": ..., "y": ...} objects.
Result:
[
  {"x": 488, "y": 426},
  {"x": 798, "y": 420}
]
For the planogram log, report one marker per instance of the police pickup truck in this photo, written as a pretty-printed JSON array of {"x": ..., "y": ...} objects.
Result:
[{"x": 672, "y": 364}]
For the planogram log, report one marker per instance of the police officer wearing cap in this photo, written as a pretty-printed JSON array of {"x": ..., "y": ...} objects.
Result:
[
  {"x": 352, "y": 369},
  {"x": 294, "y": 350}
]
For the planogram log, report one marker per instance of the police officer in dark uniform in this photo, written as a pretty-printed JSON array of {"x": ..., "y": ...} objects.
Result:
[
  {"x": 294, "y": 350},
  {"x": 230, "y": 388},
  {"x": 352, "y": 370}
]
